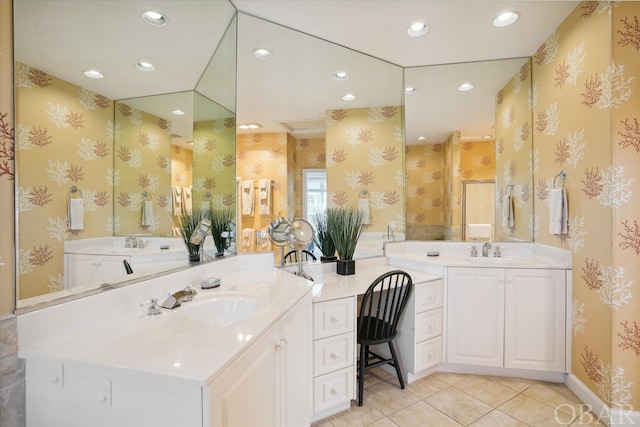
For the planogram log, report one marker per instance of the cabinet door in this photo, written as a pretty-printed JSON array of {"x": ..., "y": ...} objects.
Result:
[
  {"x": 296, "y": 373},
  {"x": 475, "y": 317},
  {"x": 111, "y": 267},
  {"x": 535, "y": 319},
  {"x": 81, "y": 270},
  {"x": 245, "y": 394}
]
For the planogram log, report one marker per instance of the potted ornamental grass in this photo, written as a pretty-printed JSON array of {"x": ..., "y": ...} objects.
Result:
[
  {"x": 188, "y": 223},
  {"x": 220, "y": 220},
  {"x": 323, "y": 239},
  {"x": 344, "y": 224}
]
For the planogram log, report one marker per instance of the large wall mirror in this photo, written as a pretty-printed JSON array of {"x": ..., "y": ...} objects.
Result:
[
  {"x": 368, "y": 145},
  {"x": 116, "y": 142}
]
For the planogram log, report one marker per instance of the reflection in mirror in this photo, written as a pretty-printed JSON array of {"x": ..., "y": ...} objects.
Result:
[
  {"x": 306, "y": 124},
  {"x": 455, "y": 139},
  {"x": 67, "y": 138}
]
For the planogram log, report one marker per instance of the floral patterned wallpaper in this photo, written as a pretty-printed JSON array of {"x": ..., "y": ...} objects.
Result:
[
  {"x": 586, "y": 112},
  {"x": 181, "y": 166},
  {"x": 515, "y": 161},
  {"x": 432, "y": 168},
  {"x": 262, "y": 156},
  {"x": 365, "y": 150},
  {"x": 63, "y": 138},
  {"x": 310, "y": 154},
  {"x": 214, "y": 161},
  {"x": 7, "y": 155},
  {"x": 142, "y": 166}
]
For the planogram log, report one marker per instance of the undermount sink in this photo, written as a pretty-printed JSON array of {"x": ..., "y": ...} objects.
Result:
[{"x": 221, "y": 310}]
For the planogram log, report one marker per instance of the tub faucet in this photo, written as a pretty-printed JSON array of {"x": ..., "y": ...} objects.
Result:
[
  {"x": 485, "y": 249},
  {"x": 176, "y": 299}
]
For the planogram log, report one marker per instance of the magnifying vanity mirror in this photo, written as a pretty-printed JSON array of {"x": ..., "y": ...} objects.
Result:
[
  {"x": 300, "y": 235},
  {"x": 278, "y": 235}
]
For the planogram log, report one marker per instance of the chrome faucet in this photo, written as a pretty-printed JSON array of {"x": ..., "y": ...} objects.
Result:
[
  {"x": 496, "y": 251},
  {"x": 485, "y": 249},
  {"x": 474, "y": 251},
  {"x": 176, "y": 299},
  {"x": 130, "y": 242}
]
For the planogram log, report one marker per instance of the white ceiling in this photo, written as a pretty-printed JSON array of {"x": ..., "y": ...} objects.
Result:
[{"x": 64, "y": 37}]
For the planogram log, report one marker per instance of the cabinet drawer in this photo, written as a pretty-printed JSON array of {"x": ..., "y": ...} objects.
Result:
[
  {"x": 333, "y": 353},
  {"x": 332, "y": 389},
  {"x": 428, "y": 296},
  {"x": 428, "y": 324},
  {"x": 428, "y": 353},
  {"x": 333, "y": 317}
]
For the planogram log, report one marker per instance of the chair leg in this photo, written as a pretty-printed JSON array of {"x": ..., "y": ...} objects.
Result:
[
  {"x": 361, "y": 368},
  {"x": 396, "y": 363}
]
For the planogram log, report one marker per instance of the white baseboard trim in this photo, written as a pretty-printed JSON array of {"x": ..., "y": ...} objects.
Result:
[
  {"x": 612, "y": 417},
  {"x": 556, "y": 377}
]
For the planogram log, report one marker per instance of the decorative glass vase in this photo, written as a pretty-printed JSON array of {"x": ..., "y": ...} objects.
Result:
[{"x": 346, "y": 267}]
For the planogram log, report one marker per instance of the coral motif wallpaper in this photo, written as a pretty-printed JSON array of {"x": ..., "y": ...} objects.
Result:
[
  {"x": 515, "y": 161},
  {"x": 7, "y": 155},
  {"x": 63, "y": 139},
  {"x": 261, "y": 156},
  {"x": 365, "y": 150},
  {"x": 214, "y": 161},
  {"x": 585, "y": 110},
  {"x": 141, "y": 172},
  {"x": 310, "y": 154},
  {"x": 425, "y": 187},
  {"x": 181, "y": 166}
]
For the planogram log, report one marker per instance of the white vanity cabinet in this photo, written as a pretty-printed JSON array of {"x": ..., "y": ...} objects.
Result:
[
  {"x": 419, "y": 340},
  {"x": 83, "y": 269},
  {"x": 76, "y": 395},
  {"x": 512, "y": 318},
  {"x": 333, "y": 355},
  {"x": 270, "y": 383}
]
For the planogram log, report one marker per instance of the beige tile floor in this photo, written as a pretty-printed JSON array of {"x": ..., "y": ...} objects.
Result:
[{"x": 453, "y": 400}]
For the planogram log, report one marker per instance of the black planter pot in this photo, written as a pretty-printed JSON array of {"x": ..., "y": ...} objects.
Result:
[
  {"x": 194, "y": 258},
  {"x": 346, "y": 267},
  {"x": 219, "y": 254},
  {"x": 328, "y": 258}
]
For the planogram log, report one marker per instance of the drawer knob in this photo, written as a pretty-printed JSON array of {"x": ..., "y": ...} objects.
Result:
[
  {"x": 430, "y": 356},
  {"x": 332, "y": 319},
  {"x": 431, "y": 327},
  {"x": 332, "y": 356},
  {"x": 432, "y": 297}
]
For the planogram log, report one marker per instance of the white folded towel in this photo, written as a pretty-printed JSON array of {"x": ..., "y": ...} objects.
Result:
[
  {"x": 508, "y": 217},
  {"x": 75, "y": 214},
  {"x": 264, "y": 197},
  {"x": 177, "y": 201},
  {"x": 479, "y": 231},
  {"x": 146, "y": 219},
  {"x": 558, "y": 211},
  {"x": 247, "y": 197},
  {"x": 247, "y": 238},
  {"x": 363, "y": 206},
  {"x": 187, "y": 202}
]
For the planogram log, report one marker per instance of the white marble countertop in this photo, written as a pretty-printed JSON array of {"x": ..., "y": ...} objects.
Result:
[
  {"x": 328, "y": 285},
  {"x": 176, "y": 343}
]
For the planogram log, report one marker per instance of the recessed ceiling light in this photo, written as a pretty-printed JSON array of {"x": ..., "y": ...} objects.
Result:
[
  {"x": 262, "y": 53},
  {"x": 177, "y": 112},
  {"x": 421, "y": 138},
  {"x": 465, "y": 87},
  {"x": 155, "y": 18},
  {"x": 250, "y": 126},
  {"x": 505, "y": 19},
  {"x": 349, "y": 97},
  {"x": 487, "y": 136},
  {"x": 410, "y": 90},
  {"x": 418, "y": 29},
  {"x": 145, "y": 66},
  {"x": 94, "y": 74},
  {"x": 341, "y": 76}
]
